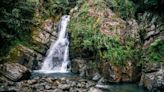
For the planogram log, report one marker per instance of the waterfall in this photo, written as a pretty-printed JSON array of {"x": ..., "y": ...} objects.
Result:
[{"x": 57, "y": 58}]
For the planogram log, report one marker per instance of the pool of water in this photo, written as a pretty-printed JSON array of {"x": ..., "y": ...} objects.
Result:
[
  {"x": 54, "y": 75},
  {"x": 127, "y": 87}
]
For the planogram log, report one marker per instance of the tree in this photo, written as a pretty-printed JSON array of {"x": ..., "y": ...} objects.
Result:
[{"x": 15, "y": 22}]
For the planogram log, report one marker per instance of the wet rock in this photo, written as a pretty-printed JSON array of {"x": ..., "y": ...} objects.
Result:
[
  {"x": 102, "y": 81},
  {"x": 83, "y": 71},
  {"x": 154, "y": 81},
  {"x": 25, "y": 56},
  {"x": 83, "y": 67},
  {"x": 79, "y": 66},
  {"x": 106, "y": 87},
  {"x": 14, "y": 71},
  {"x": 96, "y": 77}
]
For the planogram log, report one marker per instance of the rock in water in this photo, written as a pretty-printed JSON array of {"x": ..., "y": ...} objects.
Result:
[
  {"x": 14, "y": 71},
  {"x": 96, "y": 77},
  {"x": 78, "y": 65}
]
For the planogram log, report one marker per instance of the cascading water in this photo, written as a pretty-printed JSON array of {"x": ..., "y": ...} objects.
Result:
[{"x": 57, "y": 58}]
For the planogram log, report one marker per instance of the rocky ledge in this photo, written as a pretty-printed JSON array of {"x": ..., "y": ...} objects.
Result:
[{"x": 49, "y": 84}]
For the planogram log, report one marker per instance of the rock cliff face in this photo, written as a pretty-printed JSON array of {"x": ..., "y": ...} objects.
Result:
[
  {"x": 106, "y": 23},
  {"x": 153, "y": 77},
  {"x": 112, "y": 73},
  {"x": 32, "y": 56},
  {"x": 93, "y": 18},
  {"x": 153, "y": 81}
]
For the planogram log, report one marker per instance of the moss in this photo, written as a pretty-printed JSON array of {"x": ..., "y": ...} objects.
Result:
[{"x": 14, "y": 54}]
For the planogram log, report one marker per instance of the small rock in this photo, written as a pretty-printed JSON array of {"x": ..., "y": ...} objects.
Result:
[
  {"x": 102, "y": 81},
  {"x": 57, "y": 90},
  {"x": 64, "y": 86},
  {"x": 93, "y": 89},
  {"x": 47, "y": 87},
  {"x": 96, "y": 77},
  {"x": 102, "y": 86},
  {"x": 30, "y": 82}
]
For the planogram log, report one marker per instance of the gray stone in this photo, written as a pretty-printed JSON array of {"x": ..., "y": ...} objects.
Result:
[
  {"x": 102, "y": 86},
  {"x": 151, "y": 67},
  {"x": 102, "y": 81},
  {"x": 64, "y": 86},
  {"x": 47, "y": 87},
  {"x": 30, "y": 82},
  {"x": 153, "y": 81},
  {"x": 14, "y": 71},
  {"x": 96, "y": 77},
  {"x": 77, "y": 65}
]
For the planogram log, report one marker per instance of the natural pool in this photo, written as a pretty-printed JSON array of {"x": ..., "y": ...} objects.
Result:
[{"x": 126, "y": 87}]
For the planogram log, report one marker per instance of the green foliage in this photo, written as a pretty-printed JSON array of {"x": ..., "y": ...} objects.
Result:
[
  {"x": 87, "y": 39},
  {"x": 15, "y": 23},
  {"x": 124, "y": 8},
  {"x": 155, "y": 52},
  {"x": 151, "y": 2},
  {"x": 154, "y": 6},
  {"x": 56, "y": 7}
]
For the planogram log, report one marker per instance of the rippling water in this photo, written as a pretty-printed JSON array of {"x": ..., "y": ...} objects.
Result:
[{"x": 128, "y": 87}]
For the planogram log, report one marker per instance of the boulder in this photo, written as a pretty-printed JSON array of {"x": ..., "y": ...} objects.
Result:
[
  {"x": 14, "y": 71},
  {"x": 120, "y": 73},
  {"x": 154, "y": 81},
  {"x": 96, "y": 77},
  {"x": 25, "y": 56},
  {"x": 83, "y": 67},
  {"x": 79, "y": 66}
]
